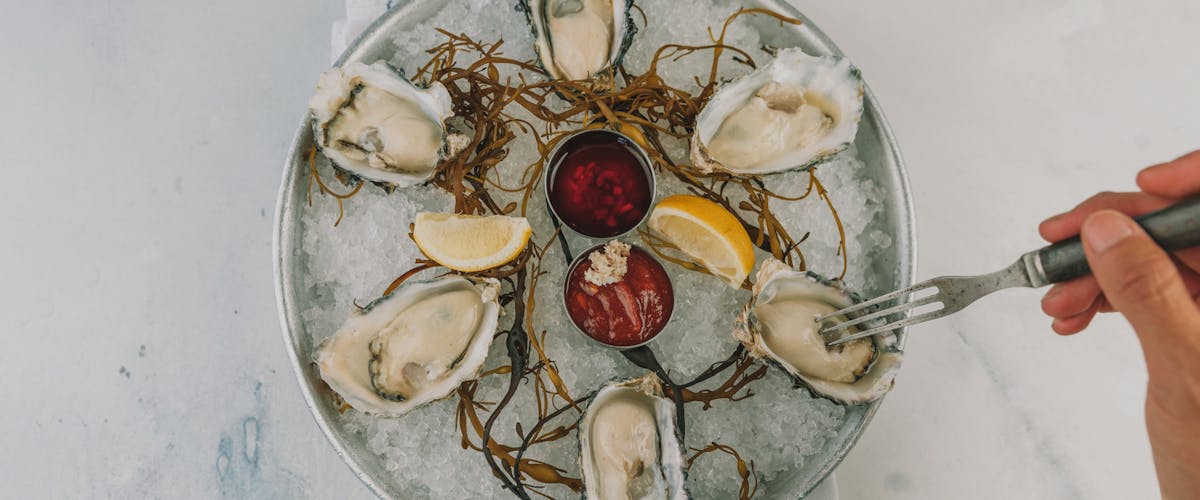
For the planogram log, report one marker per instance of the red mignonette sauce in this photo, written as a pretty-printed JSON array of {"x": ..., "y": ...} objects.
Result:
[
  {"x": 626, "y": 313},
  {"x": 599, "y": 184}
]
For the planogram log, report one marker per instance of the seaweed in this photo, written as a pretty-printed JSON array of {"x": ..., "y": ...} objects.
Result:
[{"x": 649, "y": 111}]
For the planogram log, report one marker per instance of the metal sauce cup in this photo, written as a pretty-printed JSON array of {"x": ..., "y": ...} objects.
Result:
[
  {"x": 579, "y": 328},
  {"x": 554, "y": 161},
  {"x": 639, "y": 354}
]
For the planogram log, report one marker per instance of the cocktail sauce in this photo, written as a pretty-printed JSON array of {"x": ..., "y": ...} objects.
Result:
[{"x": 627, "y": 313}]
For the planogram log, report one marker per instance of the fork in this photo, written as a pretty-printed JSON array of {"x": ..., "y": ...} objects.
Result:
[{"x": 1174, "y": 228}]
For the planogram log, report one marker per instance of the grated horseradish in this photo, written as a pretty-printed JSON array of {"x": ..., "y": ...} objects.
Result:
[{"x": 609, "y": 264}]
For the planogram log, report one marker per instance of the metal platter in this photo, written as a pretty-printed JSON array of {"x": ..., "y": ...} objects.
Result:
[{"x": 876, "y": 148}]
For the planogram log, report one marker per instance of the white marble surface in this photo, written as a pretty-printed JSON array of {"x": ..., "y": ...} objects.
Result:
[{"x": 143, "y": 142}]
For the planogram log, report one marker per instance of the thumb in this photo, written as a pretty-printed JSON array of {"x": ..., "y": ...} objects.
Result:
[{"x": 1138, "y": 278}]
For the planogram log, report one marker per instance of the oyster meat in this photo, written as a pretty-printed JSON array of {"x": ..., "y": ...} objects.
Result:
[
  {"x": 411, "y": 347},
  {"x": 795, "y": 112},
  {"x": 578, "y": 39},
  {"x": 779, "y": 324},
  {"x": 374, "y": 123},
  {"x": 629, "y": 444}
]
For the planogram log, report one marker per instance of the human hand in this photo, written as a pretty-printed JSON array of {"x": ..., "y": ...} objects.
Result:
[
  {"x": 1157, "y": 293},
  {"x": 1073, "y": 304}
]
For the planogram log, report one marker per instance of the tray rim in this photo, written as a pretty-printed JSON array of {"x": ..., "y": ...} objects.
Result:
[{"x": 284, "y": 231}]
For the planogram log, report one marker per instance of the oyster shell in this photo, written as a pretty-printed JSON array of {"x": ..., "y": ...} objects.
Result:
[
  {"x": 793, "y": 113},
  {"x": 629, "y": 445},
  {"x": 411, "y": 347},
  {"x": 779, "y": 325},
  {"x": 579, "y": 39},
  {"x": 374, "y": 123}
]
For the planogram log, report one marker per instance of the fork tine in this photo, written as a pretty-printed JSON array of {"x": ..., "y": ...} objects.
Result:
[
  {"x": 877, "y": 300},
  {"x": 886, "y": 312},
  {"x": 921, "y": 318}
]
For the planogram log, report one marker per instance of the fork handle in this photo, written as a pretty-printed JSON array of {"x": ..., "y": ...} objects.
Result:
[{"x": 1174, "y": 228}]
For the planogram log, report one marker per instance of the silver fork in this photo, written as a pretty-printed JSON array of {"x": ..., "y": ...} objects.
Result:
[{"x": 1174, "y": 228}]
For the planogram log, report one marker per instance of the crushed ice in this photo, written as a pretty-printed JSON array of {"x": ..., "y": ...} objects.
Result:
[{"x": 777, "y": 428}]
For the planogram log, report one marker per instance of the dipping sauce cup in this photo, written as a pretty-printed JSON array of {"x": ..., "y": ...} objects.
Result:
[
  {"x": 599, "y": 183},
  {"x": 625, "y": 314}
]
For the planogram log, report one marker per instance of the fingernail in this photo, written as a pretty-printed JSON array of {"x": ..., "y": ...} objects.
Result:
[{"x": 1107, "y": 228}]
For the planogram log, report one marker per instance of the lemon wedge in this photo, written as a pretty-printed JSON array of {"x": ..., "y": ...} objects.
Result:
[
  {"x": 470, "y": 243},
  {"x": 707, "y": 232}
]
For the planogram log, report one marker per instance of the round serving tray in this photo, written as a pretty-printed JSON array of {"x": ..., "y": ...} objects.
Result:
[{"x": 876, "y": 148}]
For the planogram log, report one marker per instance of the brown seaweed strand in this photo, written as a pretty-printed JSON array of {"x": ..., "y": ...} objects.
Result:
[
  {"x": 717, "y": 368},
  {"x": 315, "y": 175},
  {"x": 517, "y": 469},
  {"x": 560, "y": 388},
  {"x": 544, "y": 395},
  {"x": 720, "y": 40},
  {"x": 422, "y": 265},
  {"x": 731, "y": 389},
  {"x": 518, "y": 354},
  {"x": 667, "y": 251},
  {"x": 745, "y": 469},
  {"x": 824, "y": 194},
  {"x": 535, "y": 436},
  {"x": 468, "y": 421}
]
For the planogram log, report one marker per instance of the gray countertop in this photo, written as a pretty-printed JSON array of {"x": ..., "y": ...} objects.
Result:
[{"x": 144, "y": 140}]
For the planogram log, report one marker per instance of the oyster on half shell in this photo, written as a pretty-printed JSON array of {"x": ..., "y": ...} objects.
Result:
[
  {"x": 793, "y": 113},
  {"x": 629, "y": 444},
  {"x": 779, "y": 324},
  {"x": 578, "y": 39},
  {"x": 371, "y": 121},
  {"x": 411, "y": 347}
]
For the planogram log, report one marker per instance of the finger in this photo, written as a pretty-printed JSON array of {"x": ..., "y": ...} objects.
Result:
[
  {"x": 1191, "y": 279},
  {"x": 1175, "y": 179},
  {"x": 1066, "y": 225},
  {"x": 1076, "y": 323},
  {"x": 1070, "y": 298},
  {"x": 1074, "y": 297},
  {"x": 1189, "y": 258},
  {"x": 1138, "y": 278}
]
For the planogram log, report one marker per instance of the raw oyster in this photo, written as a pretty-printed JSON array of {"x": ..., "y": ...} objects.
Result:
[
  {"x": 629, "y": 445},
  {"x": 579, "y": 39},
  {"x": 779, "y": 324},
  {"x": 372, "y": 122},
  {"x": 411, "y": 347},
  {"x": 793, "y": 113}
]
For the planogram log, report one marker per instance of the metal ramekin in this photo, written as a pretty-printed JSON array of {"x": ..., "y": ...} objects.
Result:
[
  {"x": 643, "y": 158},
  {"x": 567, "y": 278}
]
